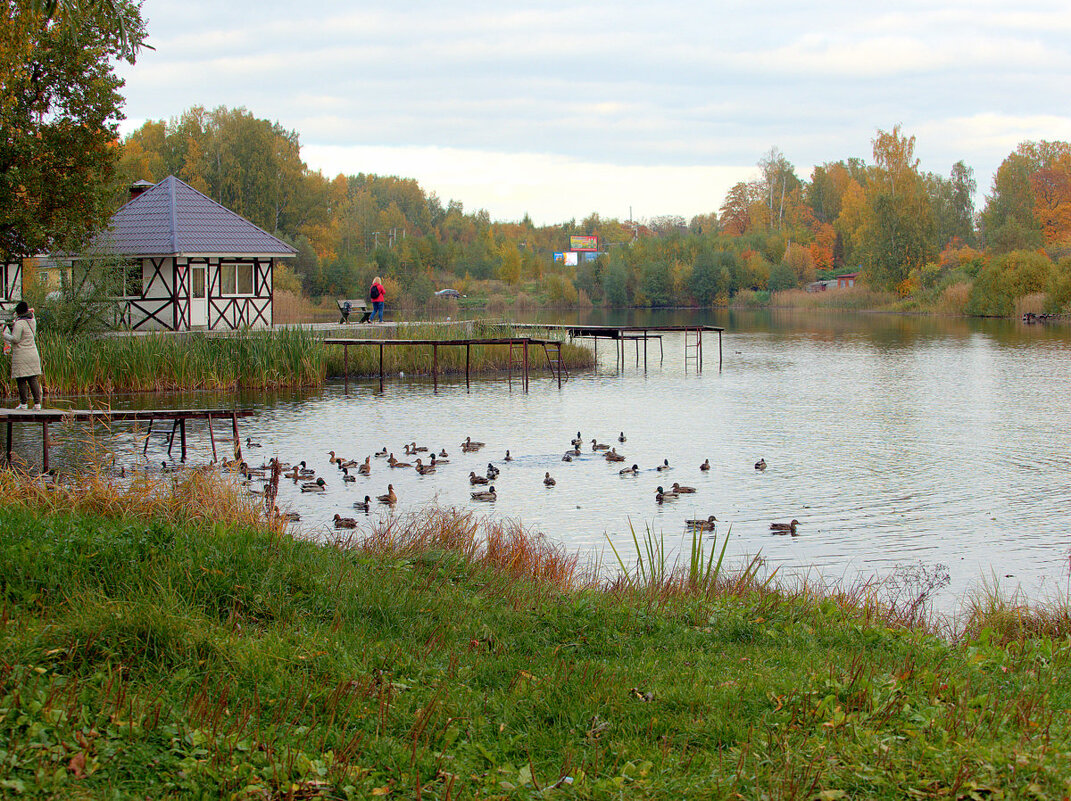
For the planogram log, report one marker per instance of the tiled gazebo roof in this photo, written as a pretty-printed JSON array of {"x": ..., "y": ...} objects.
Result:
[{"x": 174, "y": 219}]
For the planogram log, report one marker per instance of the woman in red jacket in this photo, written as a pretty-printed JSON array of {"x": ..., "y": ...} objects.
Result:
[{"x": 378, "y": 298}]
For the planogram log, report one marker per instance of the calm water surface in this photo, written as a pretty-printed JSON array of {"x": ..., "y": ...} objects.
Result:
[{"x": 894, "y": 441}]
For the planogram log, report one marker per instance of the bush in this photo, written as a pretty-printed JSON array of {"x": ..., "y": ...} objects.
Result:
[{"x": 782, "y": 277}]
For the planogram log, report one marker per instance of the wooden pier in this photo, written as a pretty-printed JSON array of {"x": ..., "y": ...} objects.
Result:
[
  {"x": 620, "y": 334},
  {"x": 518, "y": 347},
  {"x": 177, "y": 418}
]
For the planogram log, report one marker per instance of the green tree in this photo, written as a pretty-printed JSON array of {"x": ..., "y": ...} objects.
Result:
[
  {"x": 59, "y": 108},
  {"x": 897, "y": 231}
]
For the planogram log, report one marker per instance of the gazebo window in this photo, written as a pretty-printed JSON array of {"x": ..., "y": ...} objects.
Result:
[{"x": 236, "y": 278}]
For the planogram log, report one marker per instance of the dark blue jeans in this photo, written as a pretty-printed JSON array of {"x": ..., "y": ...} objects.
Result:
[{"x": 377, "y": 308}]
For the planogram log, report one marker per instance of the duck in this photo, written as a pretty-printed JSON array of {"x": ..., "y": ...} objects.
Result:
[
  {"x": 407, "y": 450},
  {"x": 629, "y": 471},
  {"x": 613, "y": 456},
  {"x": 300, "y": 471},
  {"x": 567, "y": 457},
  {"x": 577, "y": 442},
  {"x": 507, "y": 457},
  {"x": 395, "y": 463},
  {"x": 761, "y": 464},
  {"x": 344, "y": 522},
  {"x": 334, "y": 459},
  {"x": 621, "y": 437},
  {"x": 435, "y": 460},
  {"x": 573, "y": 452},
  {"x": 366, "y": 468},
  {"x": 424, "y": 469},
  {"x": 346, "y": 477},
  {"x": 705, "y": 466},
  {"x": 290, "y": 517},
  {"x": 679, "y": 489},
  {"x": 665, "y": 495},
  {"x": 664, "y": 465},
  {"x": 314, "y": 486},
  {"x": 702, "y": 524},
  {"x": 414, "y": 448},
  {"x": 492, "y": 471},
  {"x": 548, "y": 481},
  {"x": 485, "y": 495},
  {"x": 364, "y": 505},
  {"x": 382, "y": 453},
  {"x": 347, "y": 463},
  {"x": 598, "y": 446},
  {"x": 443, "y": 454},
  {"x": 470, "y": 445},
  {"x": 785, "y": 528},
  {"x": 390, "y": 498},
  {"x": 250, "y": 443},
  {"x": 475, "y": 479}
]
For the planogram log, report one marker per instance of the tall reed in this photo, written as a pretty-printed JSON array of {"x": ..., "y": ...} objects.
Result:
[{"x": 281, "y": 357}]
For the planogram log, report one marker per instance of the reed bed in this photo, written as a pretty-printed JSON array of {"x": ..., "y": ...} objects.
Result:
[
  {"x": 281, "y": 357},
  {"x": 146, "y": 651}
]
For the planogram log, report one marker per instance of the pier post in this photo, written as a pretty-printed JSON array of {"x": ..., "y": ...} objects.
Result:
[
  {"x": 182, "y": 434},
  {"x": 719, "y": 350},
  {"x": 237, "y": 438},
  {"x": 380, "y": 366},
  {"x": 468, "y": 349},
  {"x": 435, "y": 367},
  {"x": 526, "y": 365},
  {"x": 44, "y": 446},
  {"x": 212, "y": 436},
  {"x": 645, "y": 351},
  {"x": 346, "y": 369}
]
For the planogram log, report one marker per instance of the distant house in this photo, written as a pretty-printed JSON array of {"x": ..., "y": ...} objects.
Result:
[
  {"x": 820, "y": 286},
  {"x": 846, "y": 280}
]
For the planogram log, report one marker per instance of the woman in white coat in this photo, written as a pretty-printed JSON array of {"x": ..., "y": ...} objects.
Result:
[{"x": 25, "y": 360}]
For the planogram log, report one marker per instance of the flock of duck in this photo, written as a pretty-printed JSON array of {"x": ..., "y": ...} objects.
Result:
[{"x": 482, "y": 488}]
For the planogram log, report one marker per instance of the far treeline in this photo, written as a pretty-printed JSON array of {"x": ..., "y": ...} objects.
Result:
[{"x": 914, "y": 236}]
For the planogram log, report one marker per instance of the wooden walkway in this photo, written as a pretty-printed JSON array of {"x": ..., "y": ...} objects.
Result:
[
  {"x": 177, "y": 417},
  {"x": 518, "y": 346},
  {"x": 620, "y": 334}
]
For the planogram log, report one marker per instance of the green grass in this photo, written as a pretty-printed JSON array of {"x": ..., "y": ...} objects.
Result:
[
  {"x": 167, "y": 657},
  {"x": 284, "y": 357}
]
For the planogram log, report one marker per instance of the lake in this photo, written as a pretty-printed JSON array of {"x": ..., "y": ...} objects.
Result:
[{"x": 895, "y": 441}]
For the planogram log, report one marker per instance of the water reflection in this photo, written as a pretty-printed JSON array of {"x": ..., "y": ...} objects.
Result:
[{"x": 892, "y": 439}]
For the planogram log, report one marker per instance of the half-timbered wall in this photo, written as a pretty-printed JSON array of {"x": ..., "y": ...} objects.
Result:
[
  {"x": 10, "y": 284},
  {"x": 165, "y": 301}
]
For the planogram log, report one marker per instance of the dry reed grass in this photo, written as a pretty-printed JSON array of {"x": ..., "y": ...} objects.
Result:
[
  {"x": 953, "y": 300},
  {"x": 201, "y": 496},
  {"x": 849, "y": 298},
  {"x": 1034, "y": 303},
  {"x": 290, "y": 309}
]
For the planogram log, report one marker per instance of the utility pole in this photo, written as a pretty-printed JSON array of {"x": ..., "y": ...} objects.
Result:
[{"x": 376, "y": 235}]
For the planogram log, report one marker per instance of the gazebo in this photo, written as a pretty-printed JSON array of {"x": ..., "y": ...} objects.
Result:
[{"x": 190, "y": 262}]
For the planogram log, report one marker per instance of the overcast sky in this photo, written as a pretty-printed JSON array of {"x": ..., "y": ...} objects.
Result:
[{"x": 562, "y": 109}]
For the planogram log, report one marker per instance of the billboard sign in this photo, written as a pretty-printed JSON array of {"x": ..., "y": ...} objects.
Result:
[
  {"x": 571, "y": 258},
  {"x": 559, "y": 257},
  {"x": 583, "y": 243}
]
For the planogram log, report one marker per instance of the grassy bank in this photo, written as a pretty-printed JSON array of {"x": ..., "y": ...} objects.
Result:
[
  {"x": 147, "y": 650},
  {"x": 284, "y": 357}
]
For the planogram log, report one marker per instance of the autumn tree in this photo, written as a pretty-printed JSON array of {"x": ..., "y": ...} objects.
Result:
[
  {"x": 897, "y": 230},
  {"x": 59, "y": 109}
]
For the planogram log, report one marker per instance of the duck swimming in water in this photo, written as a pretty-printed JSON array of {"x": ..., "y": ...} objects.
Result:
[
  {"x": 344, "y": 522},
  {"x": 702, "y": 524},
  {"x": 390, "y": 497},
  {"x": 629, "y": 471},
  {"x": 475, "y": 479},
  {"x": 679, "y": 489},
  {"x": 665, "y": 495},
  {"x": 486, "y": 495},
  {"x": 364, "y": 505},
  {"x": 315, "y": 486},
  {"x": 548, "y": 481},
  {"x": 664, "y": 465},
  {"x": 760, "y": 464},
  {"x": 785, "y": 528}
]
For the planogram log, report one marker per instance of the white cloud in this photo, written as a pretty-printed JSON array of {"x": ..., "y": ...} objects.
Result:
[
  {"x": 548, "y": 188},
  {"x": 648, "y": 101}
]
